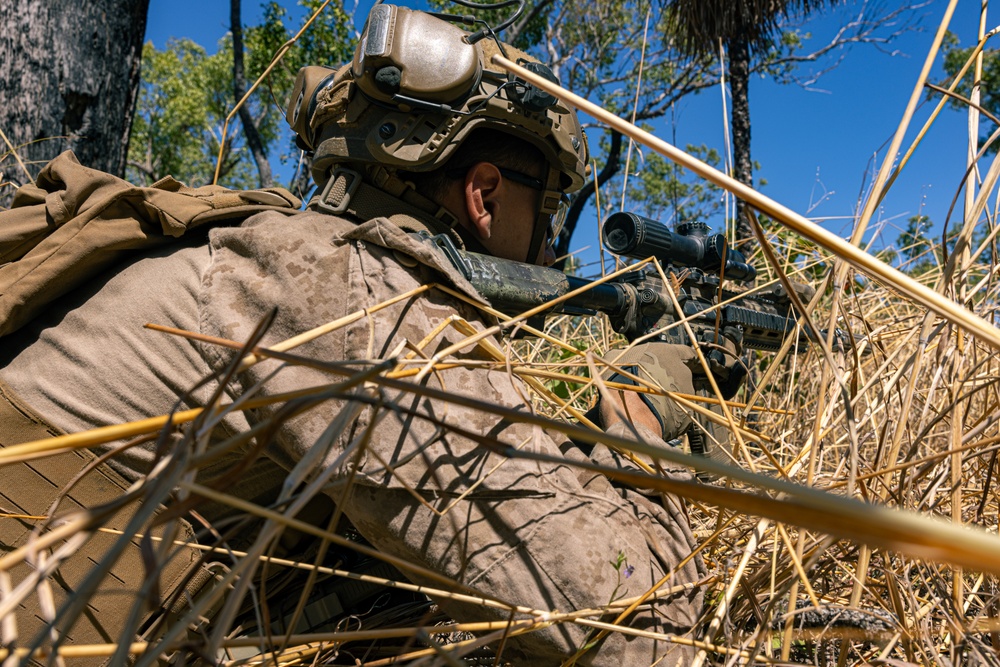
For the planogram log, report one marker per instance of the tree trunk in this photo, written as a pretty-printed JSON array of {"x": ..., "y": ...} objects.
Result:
[
  {"x": 254, "y": 142},
  {"x": 739, "y": 80},
  {"x": 70, "y": 81}
]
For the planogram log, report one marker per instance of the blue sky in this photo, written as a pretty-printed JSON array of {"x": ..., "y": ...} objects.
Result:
[{"x": 818, "y": 148}]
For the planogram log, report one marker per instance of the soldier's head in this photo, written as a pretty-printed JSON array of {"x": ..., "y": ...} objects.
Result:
[{"x": 421, "y": 103}]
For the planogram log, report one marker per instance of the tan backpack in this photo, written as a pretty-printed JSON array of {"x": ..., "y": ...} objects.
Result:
[
  {"x": 61, "y": 232},
  {"x": 74, "y": 222}
]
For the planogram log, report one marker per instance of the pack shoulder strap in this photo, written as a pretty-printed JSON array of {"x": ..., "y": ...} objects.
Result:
[{"x": 74, "y": 222}]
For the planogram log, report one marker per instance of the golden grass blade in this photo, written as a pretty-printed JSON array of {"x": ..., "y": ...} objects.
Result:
[
  {"x": 861, "y": 260},
  {"x": 916, "y": 535},
  {"x": 13, "y": 151},
  {"x": 635, "y": 106},
  {"x": 876, "y": 193}
]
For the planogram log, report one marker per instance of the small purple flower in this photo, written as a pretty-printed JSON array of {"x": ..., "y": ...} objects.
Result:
[{"x": 628, "y": 571}]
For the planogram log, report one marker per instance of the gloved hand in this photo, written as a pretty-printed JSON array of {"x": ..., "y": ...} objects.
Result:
[
  {"x": 676, "y": 368},
  {"x": 664, "y": 364},
  {"x": 724, "y": 361}
]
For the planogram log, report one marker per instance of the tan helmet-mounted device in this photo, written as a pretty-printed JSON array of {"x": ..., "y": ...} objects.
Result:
[{"x": 408, "y": 55}]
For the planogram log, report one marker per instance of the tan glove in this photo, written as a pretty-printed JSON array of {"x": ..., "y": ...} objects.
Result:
[
  {"x": 676, "y": 368},
  {"x": 665, "y": 365}
]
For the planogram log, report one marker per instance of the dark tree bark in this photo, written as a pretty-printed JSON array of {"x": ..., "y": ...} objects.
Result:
[
  {"x": 739, "y": 84},
  {"x": 611, "y": 167},
  {"x": 254, "y": 141},
  {"x": 70, "y": 81}
]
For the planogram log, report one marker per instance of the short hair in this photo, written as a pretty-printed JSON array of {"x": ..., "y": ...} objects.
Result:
[{"x": 485, "y": 145}]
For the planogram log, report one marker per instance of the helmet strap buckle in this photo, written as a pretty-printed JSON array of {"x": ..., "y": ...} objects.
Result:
[
  {"x": 337, "y": 193},
  {"x": 389, "y": 182},
  {"x": 447, "y": 217}
]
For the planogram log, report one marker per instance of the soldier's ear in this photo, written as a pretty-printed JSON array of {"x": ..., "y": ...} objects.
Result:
[{"x": 482, "y": 190}]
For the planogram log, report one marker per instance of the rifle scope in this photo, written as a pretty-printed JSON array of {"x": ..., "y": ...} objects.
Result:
[{"x": 637, "y": 237}]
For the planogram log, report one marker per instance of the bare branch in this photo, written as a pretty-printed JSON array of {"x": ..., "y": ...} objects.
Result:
[
  {"x": 514, "y": 31},
  {"x": 859, "y": 30}
]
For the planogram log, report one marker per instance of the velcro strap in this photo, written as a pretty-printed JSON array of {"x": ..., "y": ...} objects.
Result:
[
  {"x": 225, "y": 200},
  {"x": 346, "y": 193}
]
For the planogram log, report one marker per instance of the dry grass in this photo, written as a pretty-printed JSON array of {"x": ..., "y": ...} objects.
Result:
[
  {"x": 919, "y": 436},
  {"x": 858, "y": 523}
]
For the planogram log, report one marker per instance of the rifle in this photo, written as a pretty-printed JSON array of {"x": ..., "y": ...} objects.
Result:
[{"x": 637, "y": 303}]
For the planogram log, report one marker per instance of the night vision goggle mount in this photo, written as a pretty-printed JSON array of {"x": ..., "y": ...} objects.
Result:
[
  {"x": 396, "y": 62},
  {"x": 415, "y": 60}
]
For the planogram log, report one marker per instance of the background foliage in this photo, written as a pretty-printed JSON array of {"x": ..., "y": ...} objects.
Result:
[{"x": 186, "y": 94}]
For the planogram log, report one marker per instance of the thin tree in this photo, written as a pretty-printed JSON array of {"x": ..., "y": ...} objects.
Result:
[
  {"x": 254, "y": 141},
  {"x": 744, "y": 28}
]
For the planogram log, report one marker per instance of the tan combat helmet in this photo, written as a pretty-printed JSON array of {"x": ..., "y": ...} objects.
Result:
[{"x": 417, "y": 88}]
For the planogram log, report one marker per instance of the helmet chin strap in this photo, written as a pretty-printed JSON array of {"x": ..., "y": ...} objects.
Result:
[
  {"x": 550, "y": 205},
  {"x": 538, "y": 237}
]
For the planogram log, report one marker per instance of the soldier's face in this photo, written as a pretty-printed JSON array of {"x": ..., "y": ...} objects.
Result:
[
  {"x": 515, "y": 226},
  {"x": 501, "y": 206}
]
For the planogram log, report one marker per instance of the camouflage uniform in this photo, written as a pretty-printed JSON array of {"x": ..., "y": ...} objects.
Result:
[{"x": 537, "y": 535}]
